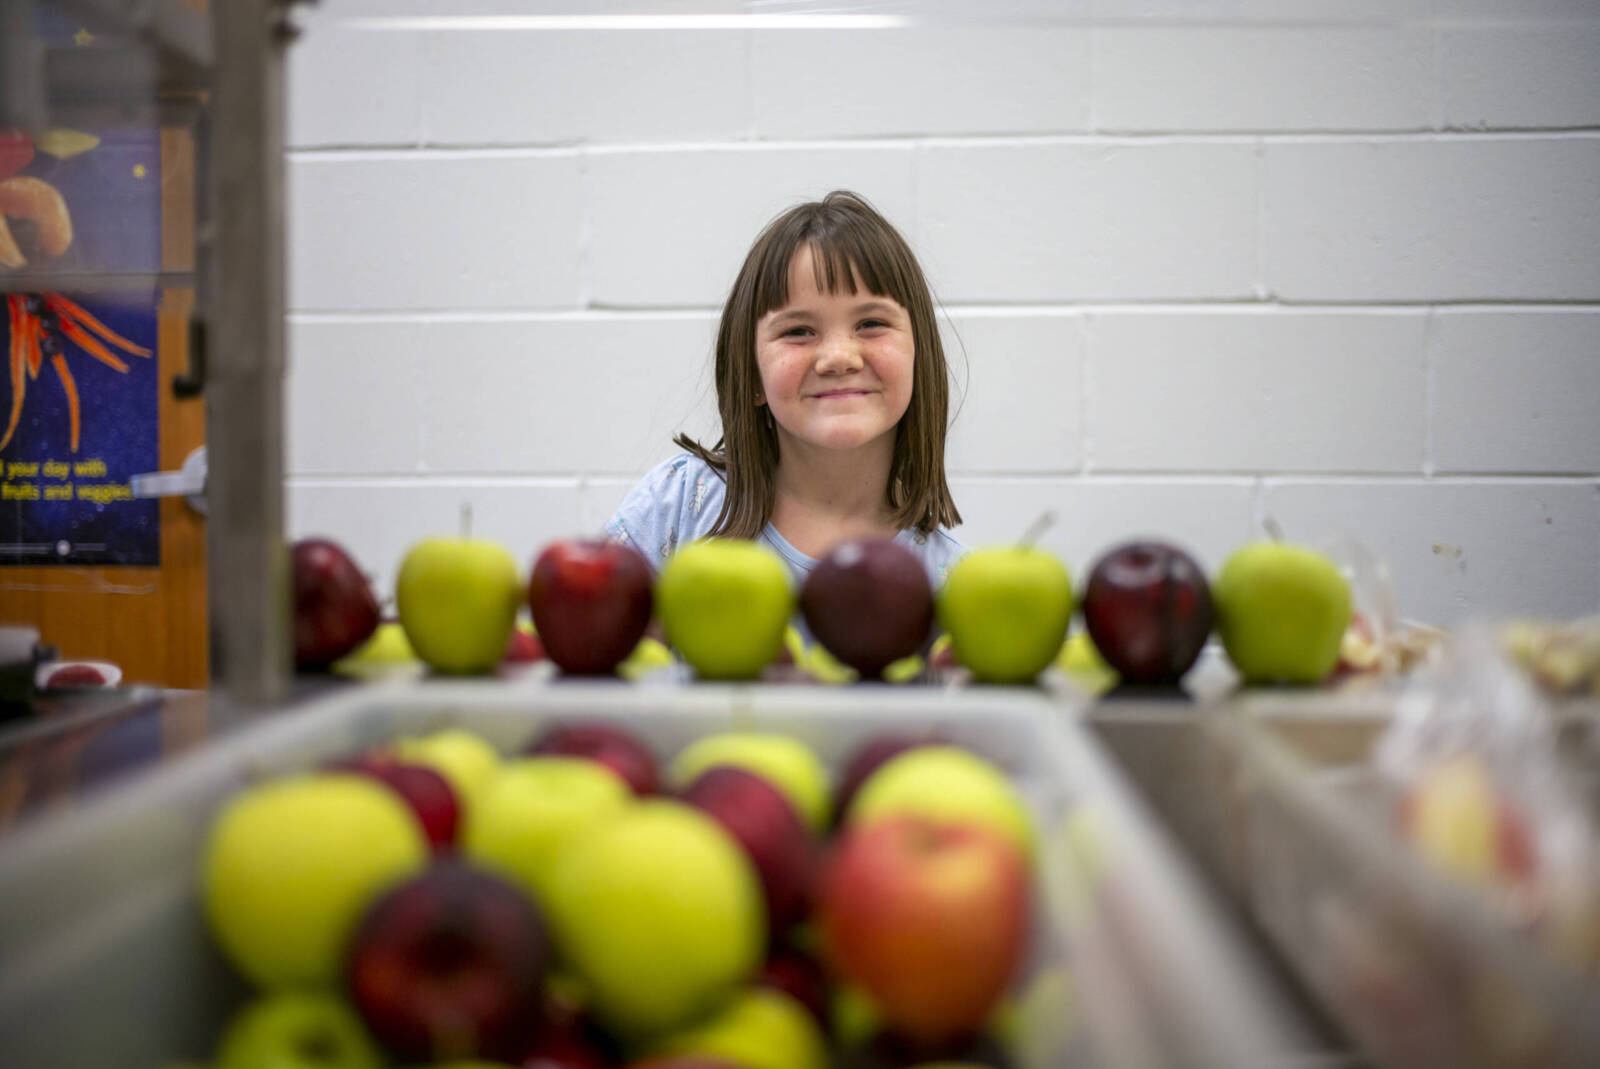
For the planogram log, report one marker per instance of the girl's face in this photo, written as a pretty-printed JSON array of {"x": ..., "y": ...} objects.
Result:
[{"x": 835, "y": 367}]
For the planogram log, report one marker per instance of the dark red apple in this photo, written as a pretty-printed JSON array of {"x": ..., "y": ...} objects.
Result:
[
  {"x": 773, "y": 836},
  {"x": 424, "y": 789},
  {"x": 591, "y": 602},
  {"x": 568, "y": 1039},
  {"x": 334, "y": 610},
  {"x": 868, "y": 759},
  {"x": 450, "y": 965},
  {"x": 799, "y": 976},
  {"x": 870, "y": 603},
  {"x": 889, "y": 1051},
  {"x": 608, "y": 744},
  {"x": 523, "y": 647},
  {"x": 1148, "y": 610},
  {"x": 929, "y": 918}
]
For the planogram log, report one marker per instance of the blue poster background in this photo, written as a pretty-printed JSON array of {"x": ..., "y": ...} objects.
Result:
[
  {"x": 113, "y": 194},
  {"x": 118, "y": 430}
]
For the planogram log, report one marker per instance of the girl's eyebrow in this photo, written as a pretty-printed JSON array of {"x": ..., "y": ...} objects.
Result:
[
  {"x": 793, "y": 313},
  {"x": 880, "y": 306}
]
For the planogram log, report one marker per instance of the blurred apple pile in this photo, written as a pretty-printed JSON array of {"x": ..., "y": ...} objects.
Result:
[
  {"x": 581, "y": 904},
  {"x": 725, "y": 606}
]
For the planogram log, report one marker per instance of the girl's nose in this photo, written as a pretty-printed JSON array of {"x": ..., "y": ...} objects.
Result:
[{"x": 838, "y": 354}]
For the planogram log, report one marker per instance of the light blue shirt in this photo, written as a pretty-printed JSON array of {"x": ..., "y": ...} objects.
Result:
[{"x": 679, "y": 499}]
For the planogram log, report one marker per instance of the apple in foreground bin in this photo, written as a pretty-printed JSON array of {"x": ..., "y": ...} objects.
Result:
[
  {"x": 659, "y": 913},
  {"x": 929, "y": 918},
  {"x": 424, "y": 789},
  {"x": 771, "y": 833},
  {"x": 889, "y": 1051},
  {"x": 612, "y": 746},
  {"x": 334, "y": 608},
  {"x": 532, "y": 810},
  {"x": 568, "y": 1039},
  {"x": 782, "y": 760},
  {"x": 297, "y": 1030},
  {"x": 800, "y": 976},
  {"x": 866, "y": 760},
  {"x": 450, "y": 964},
  {"x": 946, "y": 784},
  {"x": 288, "y": 865},
  {"x": 757, "y": 1028},
  {"x": 591, "y": 602},
  {"x": 870, "y": 603},
  {"x": 1148, "y": 609}
]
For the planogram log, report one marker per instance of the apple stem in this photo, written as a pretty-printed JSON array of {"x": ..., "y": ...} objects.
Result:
[
  {"x": 1046, "y": 520},
  {"x": 466, "y": 519},
  {"x": 1274, "y": 528}
]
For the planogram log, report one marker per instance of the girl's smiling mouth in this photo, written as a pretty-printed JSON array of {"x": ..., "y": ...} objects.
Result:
[{"x": 835, "y": 394}]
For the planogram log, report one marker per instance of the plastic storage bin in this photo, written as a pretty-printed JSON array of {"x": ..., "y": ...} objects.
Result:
[
  {"x": 1274, "y": 794},
  {"x": 106, "y": 961}
]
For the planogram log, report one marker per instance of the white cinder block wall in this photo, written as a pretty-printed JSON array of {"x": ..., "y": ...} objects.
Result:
[{"x": 1337, "y": 263}]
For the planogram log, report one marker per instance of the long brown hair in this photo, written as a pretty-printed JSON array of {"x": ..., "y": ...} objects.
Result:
[{"x": 848, "y": 240}]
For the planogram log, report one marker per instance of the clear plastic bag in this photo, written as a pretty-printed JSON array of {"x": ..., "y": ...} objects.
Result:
[
  {"x": 1378, "y": 642},
  {"x": 1483, "y": 795}
]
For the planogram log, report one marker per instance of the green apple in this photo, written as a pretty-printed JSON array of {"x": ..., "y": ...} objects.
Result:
[
  {"x": 528, "y": 812},
  {"x": 852, "y": 1016},
  {"x": 659, "y": 913},
  {"x": 297, "y": 1030},
  {"x": 458, "y": 600},
  {"x": 761, "y": 1028},
  {"x": 724, "y": 604},
  {"x": 782, "y": 760},
  {"x": 289, "y": 865},
  {"x": 464, "y": 758},
  {"x": 648, "y": 656},
  {"x": 1007, "y": 609},
  {"x": 1080, "y": 662},
  {"x": 387, "y": 651},
  {"x": 1282, "y": 611},
  {"x": 945, "y": 783}
]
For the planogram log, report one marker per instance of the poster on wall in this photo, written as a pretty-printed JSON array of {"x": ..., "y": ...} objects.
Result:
[{"x": 80, "y": 394}]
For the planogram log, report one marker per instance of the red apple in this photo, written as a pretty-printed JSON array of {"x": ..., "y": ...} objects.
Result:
[
  {"x": 448, "y": 965},
  {"x": 424, "y": 789},
  {"x": 1148, "y": 610},
  {"x": 870, "y": 603},
  {"x": 591, "y": 602},
  {"x": 567, "y": 1039},
  {"x": 929, "y": 918},
  {"x": 772, "y": 833},
  {"x": 866, "y": 760},
  {"x": 608, "y": 744},
  {"x": 801, "y": 977},
  {"x": 523, "y": 647},
  {"x": 334, "y": 610},
  {"x": 889, "y": 1051}
]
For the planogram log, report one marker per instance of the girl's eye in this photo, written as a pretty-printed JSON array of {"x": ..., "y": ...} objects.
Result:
[
  {"x": 869, "y": 324},
  {"x": 796, "y": 332}
]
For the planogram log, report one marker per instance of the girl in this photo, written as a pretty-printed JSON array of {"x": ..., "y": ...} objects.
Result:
[{"x": 832, "y": 391}]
